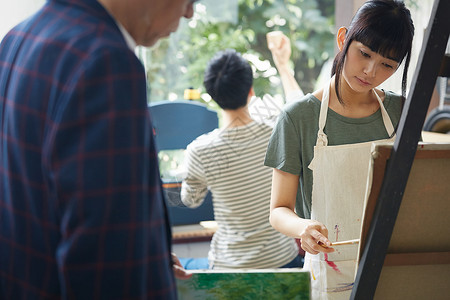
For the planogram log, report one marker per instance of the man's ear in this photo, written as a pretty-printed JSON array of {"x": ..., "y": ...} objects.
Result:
[
  {"x": 340, "y": 38},
  {"x": 251, "y": 93}
]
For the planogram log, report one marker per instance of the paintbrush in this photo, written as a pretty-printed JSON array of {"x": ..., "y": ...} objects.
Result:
[{"x": 349, "y": 242}]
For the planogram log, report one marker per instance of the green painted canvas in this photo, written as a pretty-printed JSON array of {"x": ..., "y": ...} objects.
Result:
[{"x": 246, "y": 284}]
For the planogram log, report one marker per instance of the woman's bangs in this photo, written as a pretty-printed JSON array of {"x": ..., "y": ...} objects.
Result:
[{"x": 387, "y": 43}]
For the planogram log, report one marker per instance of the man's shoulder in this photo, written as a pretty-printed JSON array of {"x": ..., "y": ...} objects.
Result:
[
  {"x": 80, "y": 29},
  {"x": 262, "y": 127},
  {"x": 206, "y": 140}
]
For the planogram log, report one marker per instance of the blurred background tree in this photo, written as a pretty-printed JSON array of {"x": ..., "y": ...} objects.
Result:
[{"x": 179, "y": 62}]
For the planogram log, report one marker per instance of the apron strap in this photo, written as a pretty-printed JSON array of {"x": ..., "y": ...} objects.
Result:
[
  {"x": 386, "y": 120},
  {"x": 322, "y": 139}
]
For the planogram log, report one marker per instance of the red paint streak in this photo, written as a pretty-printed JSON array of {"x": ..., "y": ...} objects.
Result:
[
  {"x": 336, "y": 228},
  {"x": 331, "y": 264}
]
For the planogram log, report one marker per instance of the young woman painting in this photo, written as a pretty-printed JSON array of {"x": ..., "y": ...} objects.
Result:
[{"x": 320, "y": 146}]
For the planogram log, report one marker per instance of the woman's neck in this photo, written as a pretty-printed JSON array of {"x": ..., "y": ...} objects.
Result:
[
  {"x": 236, "y": 117},
  {"x": 354, "y": 104}
]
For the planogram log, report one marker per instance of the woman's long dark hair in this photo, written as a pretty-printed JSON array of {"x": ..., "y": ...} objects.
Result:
[{"x": 386, "y": 27}]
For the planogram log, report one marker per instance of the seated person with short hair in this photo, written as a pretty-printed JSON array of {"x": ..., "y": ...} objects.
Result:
[{"x": 229, "y": 162}]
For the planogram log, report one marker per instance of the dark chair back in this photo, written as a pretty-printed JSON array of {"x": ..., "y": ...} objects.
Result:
[{"x": 175, "y": 125}]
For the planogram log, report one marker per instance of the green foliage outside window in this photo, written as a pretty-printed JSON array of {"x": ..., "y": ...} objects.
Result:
[{"x": 179, "y": 62}]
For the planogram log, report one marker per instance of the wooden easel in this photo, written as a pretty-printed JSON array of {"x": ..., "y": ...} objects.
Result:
[
  {"x": 401, "y": 158},
  {"x": 417, "y": 262}
]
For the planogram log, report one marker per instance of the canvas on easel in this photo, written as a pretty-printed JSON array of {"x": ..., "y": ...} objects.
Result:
[
  {"x": 417, "y": 263},
  {"x": 245, "y": 284}
]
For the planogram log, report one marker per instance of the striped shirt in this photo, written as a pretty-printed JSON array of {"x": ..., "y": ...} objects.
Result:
[{"x": 229, "y": 162}]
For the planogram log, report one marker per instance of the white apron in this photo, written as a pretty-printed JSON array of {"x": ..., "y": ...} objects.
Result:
[{"x": 339, "y": 183}]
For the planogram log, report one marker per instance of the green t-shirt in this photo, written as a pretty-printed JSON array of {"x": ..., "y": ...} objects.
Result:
[{"x": 291, "y": 145}]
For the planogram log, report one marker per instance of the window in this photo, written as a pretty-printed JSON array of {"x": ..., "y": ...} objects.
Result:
[{"x": 178, "y": 63}]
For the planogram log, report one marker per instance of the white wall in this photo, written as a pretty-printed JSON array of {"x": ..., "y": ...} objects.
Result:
[
  {"x": 14, "y": 11},
  {"x": 421, "y": 17}
]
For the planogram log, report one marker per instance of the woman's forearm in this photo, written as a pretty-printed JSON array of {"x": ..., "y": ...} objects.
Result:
[{"x": 286, "y": 221}]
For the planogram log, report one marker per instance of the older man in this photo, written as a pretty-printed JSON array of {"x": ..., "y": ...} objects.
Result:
[{"x": 82, "y": 214}]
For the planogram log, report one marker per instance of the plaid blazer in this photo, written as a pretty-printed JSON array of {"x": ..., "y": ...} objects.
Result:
[{"x": 82, "y": 215}]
